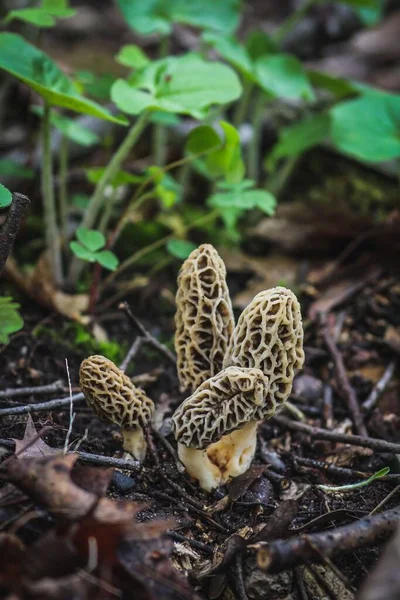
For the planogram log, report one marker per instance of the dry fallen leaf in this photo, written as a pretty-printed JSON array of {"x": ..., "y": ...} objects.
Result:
[{"x": 32, "y": 445}]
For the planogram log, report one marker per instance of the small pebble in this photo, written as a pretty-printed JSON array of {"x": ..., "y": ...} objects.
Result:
[{"x": 123, "y": 483}]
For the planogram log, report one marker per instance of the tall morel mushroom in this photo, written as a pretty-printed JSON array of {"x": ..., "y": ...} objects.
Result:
[
  {"x": 204, "y": 317},
  {"x": 216, "y": 427},
  {"x": 269, "y": 336},
  {"x": 113, "y": 397}
]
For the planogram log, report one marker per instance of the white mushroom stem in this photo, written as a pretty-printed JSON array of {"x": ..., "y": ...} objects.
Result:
[
  {"x": 135, "y": 443},
  {"x": 229, "y": 457}
]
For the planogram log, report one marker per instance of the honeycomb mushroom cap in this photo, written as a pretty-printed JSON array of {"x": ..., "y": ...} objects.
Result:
[
  {"x": 220, "y": 405},
  {"x": 204, "y": 318},
  {"x": 111, "y": 394},
  {"x": 269, "y": 336}
]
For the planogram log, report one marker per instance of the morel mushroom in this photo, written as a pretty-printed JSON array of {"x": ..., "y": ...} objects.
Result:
[
  {"x": 204, "y": 317},
  {"x": 269, "y": 336},
  {"x": 113, "y": 397},
  {"x": 216, "y": 427}
]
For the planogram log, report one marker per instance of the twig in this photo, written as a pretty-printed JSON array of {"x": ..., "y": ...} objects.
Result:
[
  {"x": 134, "y": 349},
  {"x": 344, "y": 383},
  {"x": 50, "y": 388},
  {"x": 379, "y": 388},
  {"x": 10, "y": 228},
  {"x": 71, "y": 410},
  {"x": 282, "y": 555},
  {"x": 147, "y": 336},
  {"x": 311, "y": 463},
  {"x": 52, "y": 404},
  {"x": 239, "y": 579},
  {"x": 206, "y": 548},
  {"x": 342, "y": 438}
]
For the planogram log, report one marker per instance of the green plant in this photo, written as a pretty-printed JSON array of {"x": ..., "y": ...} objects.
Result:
[
  {"x": 90, "y": 248},
  {"x": 10, "y": 319}
]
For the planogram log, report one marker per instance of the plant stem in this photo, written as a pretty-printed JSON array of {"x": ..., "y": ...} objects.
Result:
[
  {"x": 160, "y": 132},
  {"x": 154, "y": 246},
  {"x": 277, "y": 182},
  {"x": 97, "y": 199},
  {"x": 50, "y": 218},
  {"x": 107, "y": 210},
  {"x": 242, "y": 107},
  {"x": 253, "y": 156},
  {"x": 63, "y": 190},
  {"x": 290, "y": 23}
]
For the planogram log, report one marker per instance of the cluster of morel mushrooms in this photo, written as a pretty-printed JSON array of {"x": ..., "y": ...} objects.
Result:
[{"x": 237, "y": 376}]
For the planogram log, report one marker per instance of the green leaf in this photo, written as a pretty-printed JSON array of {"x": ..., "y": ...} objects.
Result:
[
  {"x": 182, "y": 85},
  {"x": 81, "y": 201},
  {"x": 338, "y": 86},
  {"x": 202, "y": 139},
  {"x": 107, "y": 259},
  {"x": 120, "y": 178},
  {"x": 69, "y": 128},
  {"x": 231, "y": 50},
  {"x": 180, "y": 248},
  {"x": 245, "y": 200},
  {"x": 34, "y": 16},
  {"x": 82, "y": 252},
  {"x": 98, "y": 86},
  {"x": 159, "y": 16},
  {"x": 361, "y": 3},
  {"x": 164, "y": 118},
  {"x": 5, "y": 197},
  {"x": 283, "y": 76},
  {"x": 32, "y": 66},
  {"x": 353, "y": 486},
  {"x": 10, "y": 319},
  {"x": 259, "y": 43},
  {"x": 132, "y": 56},
  {"x": 370, "y": 16},
  {"x": 298, "y": 138},
  {"x": 368, "y": 128},
  {"x": 12, "y": 168},
  {"x": 227, "y": 161},
  {"x": 93, "y": 240}
]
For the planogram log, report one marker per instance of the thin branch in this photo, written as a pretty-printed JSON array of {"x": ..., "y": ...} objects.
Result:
[
  {"x": 134, "y": 349},
  {"x": 343, "y": 472},
  {"x": 282, "y": 555},
  {"x": 342, "y": 438},
  {"x": 380, "y": 387},
  {"x": 50, "y": 388},
  {"x": 147, "y": 336},
  {"x": 344, "y": 383},
  {"x": 8, "y": 232}
]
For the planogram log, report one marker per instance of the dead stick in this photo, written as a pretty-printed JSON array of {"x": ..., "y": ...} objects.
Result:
[
  {"x": 344, "y": 383},
  {"x": 342, "y": 438},
  {"x": 57, "y": 386},
  {"x": 380, "y": 387},
  {"x": 282, "y": 555},
  {"x": 10, "y": 228}
]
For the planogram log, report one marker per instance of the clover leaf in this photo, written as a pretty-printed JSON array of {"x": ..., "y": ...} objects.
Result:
[
  {"x": 10, "y": 319},
  {"x": 90, "y": 248},
  {"x": 5, "y": 197}
]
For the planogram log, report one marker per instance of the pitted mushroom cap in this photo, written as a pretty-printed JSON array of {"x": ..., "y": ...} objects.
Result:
[
  {"x": 269, "y": 336},
  {"x": 204, "y": 318},
  {"x": 220, "y": 405},
  {"x": 111, "y": 394}
]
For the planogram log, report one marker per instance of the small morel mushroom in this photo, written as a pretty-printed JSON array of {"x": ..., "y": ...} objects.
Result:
[
  {"x": 216, "y": 427},
  {"x": 113, "y": 397},
  {"x": 204, "y": 318},
  {"x": 269, "y": 336}
]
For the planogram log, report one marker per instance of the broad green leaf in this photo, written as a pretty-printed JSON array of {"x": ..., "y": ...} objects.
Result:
[
  {"x": 298, "y": 138},
  {"x": 81, "y": 201},
  {"x": 182, "y": 85},
  {"x": 259, "y": 43},
  {"x": 202, "y": 139},
  {"x": 283, "y": 76},
  {"x": 93, "y": 240},
  {"x": 107, "y": 259},
  {"x": 121, "y": 178},
  {"x": 82, "y": 252},
  {"x": 227, "y": 161},
  {"x": 370, "y": 16},
  {"x": 98, "y": 86},
  {"x": 338, "y": 86},
  {"x": 233, "y": 52},
  {"x": 34, "y": 16},
  {"x": 245, "y": 184},
  {"x": 10, "y": 319},
  {"x": 164, "y": 118},
  {"x": 159, "y": 16},
  {"x": 132, "y": 56},
  {"x": 32, "y": 66},
  {"x": 15, "y": 169},
  {"x": 245, "y": 200},
  {"x": 180, "y": 248},
  {"x": 368, "y": 128},
  {"x": 70, "y": 128},
  {"x": 5, "y": 197}
]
